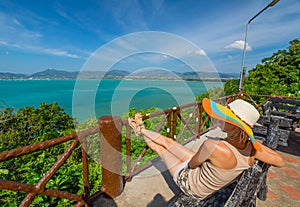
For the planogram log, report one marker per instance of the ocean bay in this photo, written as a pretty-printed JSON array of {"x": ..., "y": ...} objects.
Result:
[{"x": 85, "y": 99}]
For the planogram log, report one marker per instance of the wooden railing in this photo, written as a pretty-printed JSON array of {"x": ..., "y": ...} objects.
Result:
[
  {"x": 39, "y": 188},
  {"x": 192, "y": 119},
  {"x": 182, "y": 128},
  {"x": 182, "y": 123}
]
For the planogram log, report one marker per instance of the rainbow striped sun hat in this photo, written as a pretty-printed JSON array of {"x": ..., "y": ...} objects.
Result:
[{"x": 238, "y": 113}]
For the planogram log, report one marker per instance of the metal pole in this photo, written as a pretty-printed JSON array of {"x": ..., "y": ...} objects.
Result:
[{"x": 243, "y": 69}]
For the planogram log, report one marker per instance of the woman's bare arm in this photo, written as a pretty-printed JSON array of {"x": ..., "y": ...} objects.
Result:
[
  {"x": 216, "y": 152},
  {"x": 204, "y": 153},
  {"x": 269, "y": 156}
]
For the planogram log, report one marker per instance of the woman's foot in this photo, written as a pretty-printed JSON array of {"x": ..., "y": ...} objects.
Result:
[{"x": 137, "y": 124}]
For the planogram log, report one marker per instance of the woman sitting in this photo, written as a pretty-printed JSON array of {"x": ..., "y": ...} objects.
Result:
[{"x": 217, "y": 163}]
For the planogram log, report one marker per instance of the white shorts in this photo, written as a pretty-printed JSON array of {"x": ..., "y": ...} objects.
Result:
[{"x": 179, "y": 168}]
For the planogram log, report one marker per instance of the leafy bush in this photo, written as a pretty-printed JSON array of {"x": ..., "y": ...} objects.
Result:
[
  {"x": 277, "y": 75},
  {"x": 27, "y": 126},
  {"x": 231, "y": 87},
  {"x": 211, "y": 93},
  {"x": 32, "y": 125}
]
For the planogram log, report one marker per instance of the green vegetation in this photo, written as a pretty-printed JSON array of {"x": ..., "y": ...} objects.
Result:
[
  {"x": 32, "y": 125},
  {"x": 137, "y": 143},
  {"x": 277, "y": 75},
  {"x": 28, "y": 126}
]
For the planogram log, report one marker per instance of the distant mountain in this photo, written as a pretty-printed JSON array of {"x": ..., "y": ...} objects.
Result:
[
  {"x": 90, "y": 75},
  {"x": 46, "y": 74},
  {"x": 155, "y": 74},
  {"x": 10, "y": 76},
  {"x": 118, "y": 74},
  {"x": 208, "y": 75},
  {"x": 114, "y": 74},
  {"x": 53, "y": 74},
  {"x": 163, "y": 74}
]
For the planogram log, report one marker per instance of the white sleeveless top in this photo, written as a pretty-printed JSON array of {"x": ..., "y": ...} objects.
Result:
[{"x": 207, "y": 178}]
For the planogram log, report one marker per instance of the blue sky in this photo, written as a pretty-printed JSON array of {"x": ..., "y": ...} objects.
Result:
[{"x": 36, "y": 35}]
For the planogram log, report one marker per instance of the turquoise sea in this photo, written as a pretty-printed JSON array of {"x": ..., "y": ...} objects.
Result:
[{"x": 84, "y": 99}]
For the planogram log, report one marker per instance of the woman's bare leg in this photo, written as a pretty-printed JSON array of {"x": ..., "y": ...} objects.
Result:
[
  {"x": 178, "y": 150},
  {"x": 170, "y": 160}
]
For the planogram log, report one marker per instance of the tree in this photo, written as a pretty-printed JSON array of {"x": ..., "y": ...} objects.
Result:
[
  {"x": 231, "y": 87},
  {"x": 277, "y": 75},
  {"x": 31, "y": 125}
]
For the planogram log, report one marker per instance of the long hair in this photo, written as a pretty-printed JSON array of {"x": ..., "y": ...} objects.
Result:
[{"x": 241, "y": 135}]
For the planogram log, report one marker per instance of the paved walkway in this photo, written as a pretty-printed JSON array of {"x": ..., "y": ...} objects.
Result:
[
  {"x": 154, "y": 186},
  {"x": 284, "y": 183}
]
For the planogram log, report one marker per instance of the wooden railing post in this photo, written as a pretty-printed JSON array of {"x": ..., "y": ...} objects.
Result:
[
  {"x": 111, "y": 154},
  {"x": 174, "y": 123}
]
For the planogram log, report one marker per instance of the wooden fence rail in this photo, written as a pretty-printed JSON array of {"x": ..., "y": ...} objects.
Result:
[
  {"x": 39, "y": 188},
  {"x": 191, "y": 117}
]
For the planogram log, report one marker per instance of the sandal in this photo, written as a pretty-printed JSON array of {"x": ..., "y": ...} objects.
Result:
[{"x": 137, "y": 124}]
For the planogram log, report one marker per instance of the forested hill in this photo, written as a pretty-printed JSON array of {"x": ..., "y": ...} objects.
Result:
[{"x": 116, "y": 74}]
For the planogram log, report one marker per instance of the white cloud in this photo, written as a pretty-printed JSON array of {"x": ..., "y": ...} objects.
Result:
[
  {"x": 49, "y": 51},
  {"x": 5, "y": 43},
  {"x": 17, "y": 36},
  {"x": 239, "y": 45},
  {"x": 12, "y": 29},
  {"x": 58, "y": 52},
  {"x": 200, "y": 52}
]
